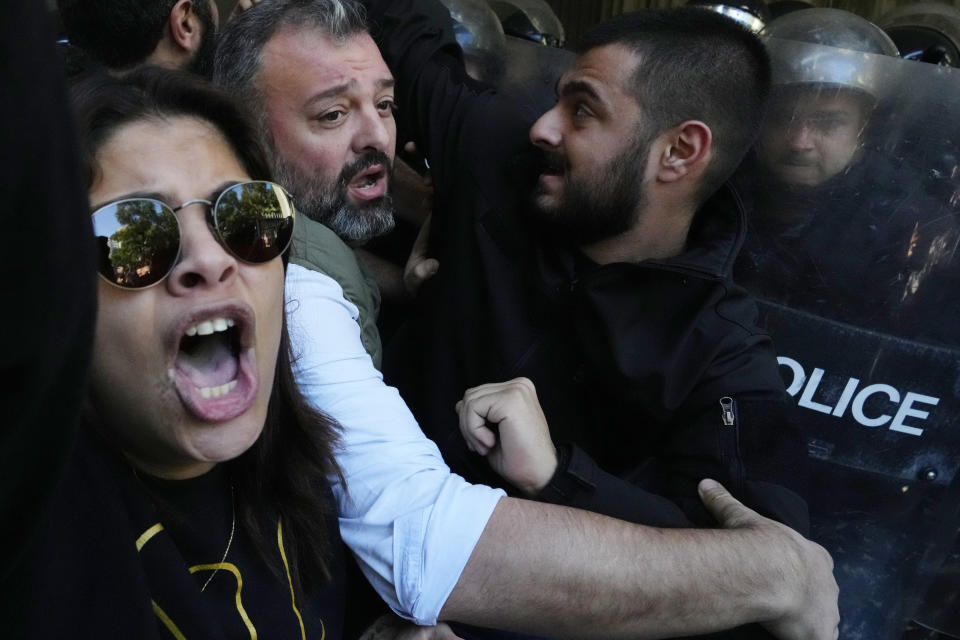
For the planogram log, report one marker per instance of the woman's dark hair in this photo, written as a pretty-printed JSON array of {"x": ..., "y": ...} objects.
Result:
[{"x": 283, "y": 472}]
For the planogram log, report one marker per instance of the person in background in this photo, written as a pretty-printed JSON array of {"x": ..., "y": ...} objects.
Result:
[
  {"x": 177, "y": 34},
  {"x": 838, "y": 222}
]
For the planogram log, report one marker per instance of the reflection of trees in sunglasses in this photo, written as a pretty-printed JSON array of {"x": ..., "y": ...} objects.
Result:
[
  {"x": 143, "y": 249},
  {"x": 139, "y": 239},
  {"x": 253, "y": 222}
]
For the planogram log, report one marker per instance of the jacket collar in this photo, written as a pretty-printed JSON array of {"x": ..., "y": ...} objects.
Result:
[{"x": 716, "y": 235}]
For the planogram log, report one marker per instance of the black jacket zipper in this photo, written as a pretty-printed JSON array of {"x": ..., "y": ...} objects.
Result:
[{"x": 730, "y": 442}]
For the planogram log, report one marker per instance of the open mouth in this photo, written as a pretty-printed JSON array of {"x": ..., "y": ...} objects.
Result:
[
  {"x": 552, "y": 165},
  {"x": 208, "y": 356},
  {"x": 214, "y": 370},
  {"x": 369, "y": 184}
]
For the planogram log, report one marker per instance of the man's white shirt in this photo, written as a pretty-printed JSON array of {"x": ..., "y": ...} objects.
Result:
[{"x": 411, "y": 523}]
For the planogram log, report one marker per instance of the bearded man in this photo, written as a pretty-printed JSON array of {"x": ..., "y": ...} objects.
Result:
[{"x": 604, "y": 357}]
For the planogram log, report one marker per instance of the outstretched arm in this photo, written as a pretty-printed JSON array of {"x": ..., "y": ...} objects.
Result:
[
  {"x": 568, "y": 573},
  {"x": 420, "y": 531}
]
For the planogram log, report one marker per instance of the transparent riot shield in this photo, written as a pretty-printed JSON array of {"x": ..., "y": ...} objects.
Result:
[
  {"x": 532, "y": 19},
  {"x": 524, "y": 69},
  {"x": 853, "y": 251},
  {"x": 916, "y": 27},
  {"x": 480, "y": 36}
]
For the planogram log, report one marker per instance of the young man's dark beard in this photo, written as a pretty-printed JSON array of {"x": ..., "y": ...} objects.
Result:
[
  {"x": 328, "y": 202},
  {"x": 602, "y": 205}
]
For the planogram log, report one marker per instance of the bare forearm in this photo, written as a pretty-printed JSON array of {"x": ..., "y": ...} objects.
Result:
[{"x": 568, "y": 573}]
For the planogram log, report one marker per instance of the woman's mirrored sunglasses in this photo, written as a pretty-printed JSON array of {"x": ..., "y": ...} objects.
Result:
[{"x": 138, "y": 240}]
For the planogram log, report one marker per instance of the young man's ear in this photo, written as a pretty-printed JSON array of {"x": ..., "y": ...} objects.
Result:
[
  {"x": 688, "y": 149},
  {"x": 184, "y": 26}
]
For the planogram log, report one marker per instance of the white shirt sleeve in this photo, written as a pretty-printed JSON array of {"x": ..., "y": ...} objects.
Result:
[{"x": 411, "y": 523}]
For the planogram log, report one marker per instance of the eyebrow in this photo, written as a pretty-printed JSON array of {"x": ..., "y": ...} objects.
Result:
[
  {"x": 575, "y": 87},
  {"x": 383, "y": 83},
  {"x": 332, "y": 91}
]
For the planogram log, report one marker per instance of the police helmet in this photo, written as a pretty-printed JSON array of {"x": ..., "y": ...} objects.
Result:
[
  {"x": 479, "y": 34},
  {"x": 783, "y": 7},
  {"x": 926, "y": 32},
  {"x": 532, "y": 20},
  {"x": 751, "y": 14},
  {"x": 844, "y": 55}
]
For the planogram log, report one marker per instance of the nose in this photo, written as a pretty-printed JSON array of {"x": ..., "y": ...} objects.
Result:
[
  {"x": 375, "y": 130},
  {"x": 204, "y": 263},
  {"x": 545, "y": 132},
  {"x": 801, "y": 136}
]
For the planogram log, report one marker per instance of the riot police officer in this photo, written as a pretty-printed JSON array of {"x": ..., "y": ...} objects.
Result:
[{"x": 820, "y": 182}]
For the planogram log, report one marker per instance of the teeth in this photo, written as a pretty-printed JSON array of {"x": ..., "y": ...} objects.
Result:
[
  {"x": 215, "y": 392},
  {"x": 207, "y": 327}
]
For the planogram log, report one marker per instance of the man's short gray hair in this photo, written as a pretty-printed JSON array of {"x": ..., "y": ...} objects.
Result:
[{"x": 240, "y": 49}]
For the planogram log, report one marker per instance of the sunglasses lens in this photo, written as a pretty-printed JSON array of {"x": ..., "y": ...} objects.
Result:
[
  {"x": 137, "y": 242},
  {"x": 255, "y": 220}
]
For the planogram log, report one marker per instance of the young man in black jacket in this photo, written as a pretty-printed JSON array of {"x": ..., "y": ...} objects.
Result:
[{"x": 611, "y": 292}]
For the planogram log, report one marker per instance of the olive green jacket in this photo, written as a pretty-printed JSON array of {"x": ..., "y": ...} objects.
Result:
[{"x": 318, "y": 248}]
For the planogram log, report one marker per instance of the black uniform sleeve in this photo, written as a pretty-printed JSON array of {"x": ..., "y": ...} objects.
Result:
[
  {"x": 455, "y": 120},
  {"x": 47, "y": 276},
  {"x": 756, "y": 452},
  {"x": 579, "y": 482},
  {"x": 759, "y": 458}
]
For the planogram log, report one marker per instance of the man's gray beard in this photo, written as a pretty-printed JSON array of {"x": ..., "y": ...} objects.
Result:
[{"x": 325, "y": 203}]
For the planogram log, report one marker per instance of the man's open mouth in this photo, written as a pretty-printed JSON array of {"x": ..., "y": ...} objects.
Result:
[
  {"x": 214, "y": 371},
  {"x": 553, "y": 165},
  {"x": 369, "y": 183}
]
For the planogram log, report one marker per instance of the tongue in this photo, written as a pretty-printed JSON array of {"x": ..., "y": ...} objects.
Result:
[{"x": 208, "y": 361}]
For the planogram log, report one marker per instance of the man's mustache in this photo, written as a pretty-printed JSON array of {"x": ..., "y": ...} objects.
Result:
[
  {"x": 364, "y": 162},
  {"x": 553, "y": 161},
  {"x": 533, "y": 161}
]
